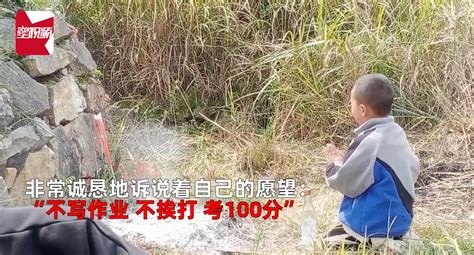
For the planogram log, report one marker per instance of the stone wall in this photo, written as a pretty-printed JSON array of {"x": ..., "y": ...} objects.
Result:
[{"x": 47, "y": 107}]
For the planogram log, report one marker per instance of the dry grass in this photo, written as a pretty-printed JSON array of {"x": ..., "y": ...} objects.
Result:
[
  {"x": 283, "y": 66},
  {"x": 218, "y": 155},
  {"x": 444, "y": 192},
  {"x": 446, "y": 184}
]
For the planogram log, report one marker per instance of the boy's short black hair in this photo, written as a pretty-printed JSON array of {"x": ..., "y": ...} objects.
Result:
[{"x": 376, "y": 91}]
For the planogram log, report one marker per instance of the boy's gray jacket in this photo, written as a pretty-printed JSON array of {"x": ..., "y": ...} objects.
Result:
[{"x": 378, "y": 172}]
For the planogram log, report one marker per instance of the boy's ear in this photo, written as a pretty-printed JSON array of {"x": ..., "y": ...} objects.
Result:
[{"x": 363, "y": 109}]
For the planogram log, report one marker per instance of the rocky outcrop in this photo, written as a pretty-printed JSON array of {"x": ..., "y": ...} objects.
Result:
[
  {"x": 44, "y": 65},
  {"x": 68, "y": 156},
  {"x": 28, "y": 96},
  {"x": 82, "y": 132},
  {"x": 7, "y": 35},
  {"x": 77, "y": 149},
  {"x": 6, "y": 111},
  {"x": 47, "y": 125},
  {"x": 67, "y": 100},
  {"x": 10, "y": 176},
  {"x": 4, "y": 195},
  {"x": 24, "y": 139},
  {"x": 96, "y": 98},
  {"x": 39, "y": 165},
  {"x": 21, "y": 140},
  {"x": 43, "y": 131},
  {"x": 61, "y": 27},
  {"x": 83, "y": 63}
]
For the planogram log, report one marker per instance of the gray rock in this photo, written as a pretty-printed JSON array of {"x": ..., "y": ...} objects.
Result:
[
  {"x": 20, "y": 140},
  {"x": 23, "y": 140},
  {"x": 6, "y": 111},
  {"x": 43, "y": 65},
  {"x": 67, "y": 100},
  {"x": 10, "y": 176},
  {"x": 7, "y": 35},
  {"x": 61, "y": 27},
  {"x": 81, "y": 131},
  {"x": 96, "y": 98},
  {"x": 83, "y": 63},
  {"x": 5, "y": 11},
  {"x": 67, "y": 154},
  {"x": 27, "y": 95},
  {"x": 17, "y": 161},
  {"x": 5, "y": 144},
  {"x": 43, "y": 131},
  {"x": 39, "y": 165},
  {"x": 4, "y": 196}
]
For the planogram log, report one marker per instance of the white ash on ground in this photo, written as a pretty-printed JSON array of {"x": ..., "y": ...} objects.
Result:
[{"x": 200, "y": 234}]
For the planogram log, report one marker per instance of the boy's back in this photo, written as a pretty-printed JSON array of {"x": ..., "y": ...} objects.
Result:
[
  {"x": 377, "y": 178},
  {"x": 378, "y": 172}
]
